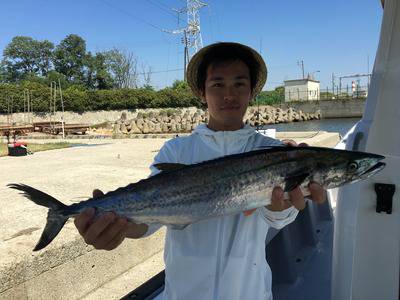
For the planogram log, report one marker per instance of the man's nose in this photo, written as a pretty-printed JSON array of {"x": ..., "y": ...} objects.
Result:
[{"x": 229, "y": 93}]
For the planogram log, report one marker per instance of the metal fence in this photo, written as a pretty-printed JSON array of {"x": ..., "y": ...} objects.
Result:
[{"x": 359, "y": 92}]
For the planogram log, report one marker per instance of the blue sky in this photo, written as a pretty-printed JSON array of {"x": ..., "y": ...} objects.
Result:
[{"x": 329, "y": 36}]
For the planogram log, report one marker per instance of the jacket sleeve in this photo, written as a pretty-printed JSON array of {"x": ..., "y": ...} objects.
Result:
[
  {"x": 165, "y": 155},
  {"x": 278, "y": 219}
]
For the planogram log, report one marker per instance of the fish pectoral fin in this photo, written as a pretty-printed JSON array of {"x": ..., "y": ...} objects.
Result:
[
  {"x": 294, "y": 180},
  {"x": 169, "y": 166},
  {"x": 178, "y": 226}
]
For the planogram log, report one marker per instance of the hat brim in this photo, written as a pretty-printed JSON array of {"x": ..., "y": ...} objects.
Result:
[{"x": 193, "y": 66}]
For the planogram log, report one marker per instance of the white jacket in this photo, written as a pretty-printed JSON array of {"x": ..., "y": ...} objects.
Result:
[{"x": 220, "y": 258}]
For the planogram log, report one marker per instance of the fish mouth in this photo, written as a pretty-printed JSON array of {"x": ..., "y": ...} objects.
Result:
[
  {"x": 373, "y": 170},
  {"x": 379, "y": 157}
]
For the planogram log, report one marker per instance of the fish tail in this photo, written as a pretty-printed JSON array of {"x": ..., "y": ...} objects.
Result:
[{"x": 56, "y": 216}]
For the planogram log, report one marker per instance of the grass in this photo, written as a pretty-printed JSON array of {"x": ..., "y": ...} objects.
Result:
[{"x": 36, "y": 147}]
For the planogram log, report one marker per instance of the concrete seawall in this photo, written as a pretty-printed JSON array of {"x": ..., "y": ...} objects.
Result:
[{"x": 352, "y": 108}]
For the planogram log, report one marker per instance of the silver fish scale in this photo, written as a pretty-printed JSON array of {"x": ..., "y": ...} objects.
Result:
[
  {"x": 190, "y": 200},
  {"x": 224, "y": 195},
  {"x": 241, "y": 186}
]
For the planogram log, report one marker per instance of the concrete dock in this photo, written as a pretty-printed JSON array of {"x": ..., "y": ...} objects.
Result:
[{"x": 68, "y": 268}]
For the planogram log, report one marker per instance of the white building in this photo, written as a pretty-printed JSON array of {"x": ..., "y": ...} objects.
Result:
[{"x": 301, "y": 90}]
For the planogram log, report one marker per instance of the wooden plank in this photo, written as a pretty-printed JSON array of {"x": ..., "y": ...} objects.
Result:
[{"x": 68, "y": 128}]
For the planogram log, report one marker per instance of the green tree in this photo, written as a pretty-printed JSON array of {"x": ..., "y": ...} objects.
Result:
[
  {"x": 54, "y": 76},
  {"x": 40, "y": 95},
  {"x": 76, "y": 98},
  {"x": 180, "y": 85},
  {"x": 97, "y": 75},
  {"x": 44, "y": 51},
  {"x": 25, "y": 56},
  {"x": 148, "y": 87},
  {"x": 69, "y": 58},
  {"x": 270, "y": 97},
  {"x": 3, "y": 73}
]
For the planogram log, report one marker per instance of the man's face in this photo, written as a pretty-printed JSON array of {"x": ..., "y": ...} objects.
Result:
[{"x": 227, "y": 94}]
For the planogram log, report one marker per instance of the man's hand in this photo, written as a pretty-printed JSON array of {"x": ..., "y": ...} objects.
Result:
[
  {"x": 296, "y": 197},
  {"x": 108, "y": 231},
  {"x": 317, "y": 193}
]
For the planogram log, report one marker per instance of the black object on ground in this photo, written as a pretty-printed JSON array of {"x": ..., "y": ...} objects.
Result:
[
  {"x": 149, "y": 289},
  {"x": 17, "y": 150}
]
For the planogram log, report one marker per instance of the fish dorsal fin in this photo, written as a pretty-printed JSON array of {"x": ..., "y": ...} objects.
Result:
[
  {"x": 169, "y": 166},
  {"x": 178, "y": 226},
  {"x": 294, "y": 180}
]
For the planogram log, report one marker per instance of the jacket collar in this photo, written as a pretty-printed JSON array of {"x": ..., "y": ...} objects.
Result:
[{"x": 225, "y": 142}]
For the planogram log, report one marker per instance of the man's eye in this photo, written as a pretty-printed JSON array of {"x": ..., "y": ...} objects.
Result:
[
  {"x": 240, "y": 84},
  {"x": 217, "y": 85}
]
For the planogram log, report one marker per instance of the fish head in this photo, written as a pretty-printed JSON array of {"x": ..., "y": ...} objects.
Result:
[
  {"x": 364, "y": 167},
  {"x": 343, "y": 167}
]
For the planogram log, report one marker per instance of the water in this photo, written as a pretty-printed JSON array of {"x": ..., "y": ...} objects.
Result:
[
  {"x": 88, "y": 145},
  {"x": 331, "y": 125}
]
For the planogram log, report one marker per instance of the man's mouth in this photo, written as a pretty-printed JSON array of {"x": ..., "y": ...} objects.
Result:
[{"x": 230, "y": 107}]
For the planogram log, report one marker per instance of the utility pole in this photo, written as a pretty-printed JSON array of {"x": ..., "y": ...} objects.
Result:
[
  {"x": 52, "y": 106},
  {"x": 192, "y": 39},
  {"x": 186, "y": 54},
  {"x": 62, "y": 109},
  {"x": 333, "y": 84},
  {"x": 10, "y": 107},
  {"x": 27, "y": 105},
  {"x": 301, "y": 65}
]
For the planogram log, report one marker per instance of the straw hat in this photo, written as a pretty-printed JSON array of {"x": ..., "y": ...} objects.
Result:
[{"x": 197, "y": 59}]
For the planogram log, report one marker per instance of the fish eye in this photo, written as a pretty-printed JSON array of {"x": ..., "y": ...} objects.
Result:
[{"x": 352, "y": 167}]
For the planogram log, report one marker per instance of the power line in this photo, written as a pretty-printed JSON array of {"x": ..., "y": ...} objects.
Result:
[
  {"x": 162, "y": 7},
  {"x": 164, "y": 71},
  {"x": 131, "y": 15}
]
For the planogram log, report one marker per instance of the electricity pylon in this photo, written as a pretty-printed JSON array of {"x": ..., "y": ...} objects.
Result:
[{"x": 191, "y": 34}]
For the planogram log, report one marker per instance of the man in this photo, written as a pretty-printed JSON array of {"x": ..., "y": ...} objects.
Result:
[{"x": 220, "y": 258}]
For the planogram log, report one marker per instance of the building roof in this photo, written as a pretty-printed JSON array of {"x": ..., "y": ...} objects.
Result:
[{"x": 304, "y": 80}]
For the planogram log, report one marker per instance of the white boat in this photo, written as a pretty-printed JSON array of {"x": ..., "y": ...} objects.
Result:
[{"x": 366, "y": 248}]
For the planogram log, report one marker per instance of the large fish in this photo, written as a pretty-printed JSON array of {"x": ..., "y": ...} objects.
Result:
[{"x": 183, "y": 194}]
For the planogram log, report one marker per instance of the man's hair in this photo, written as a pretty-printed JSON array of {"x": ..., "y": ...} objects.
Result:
[{"x": 227, "y": 53}]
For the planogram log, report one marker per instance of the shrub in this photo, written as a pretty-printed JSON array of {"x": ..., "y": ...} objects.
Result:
[{"x": 79, "y": 99}]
